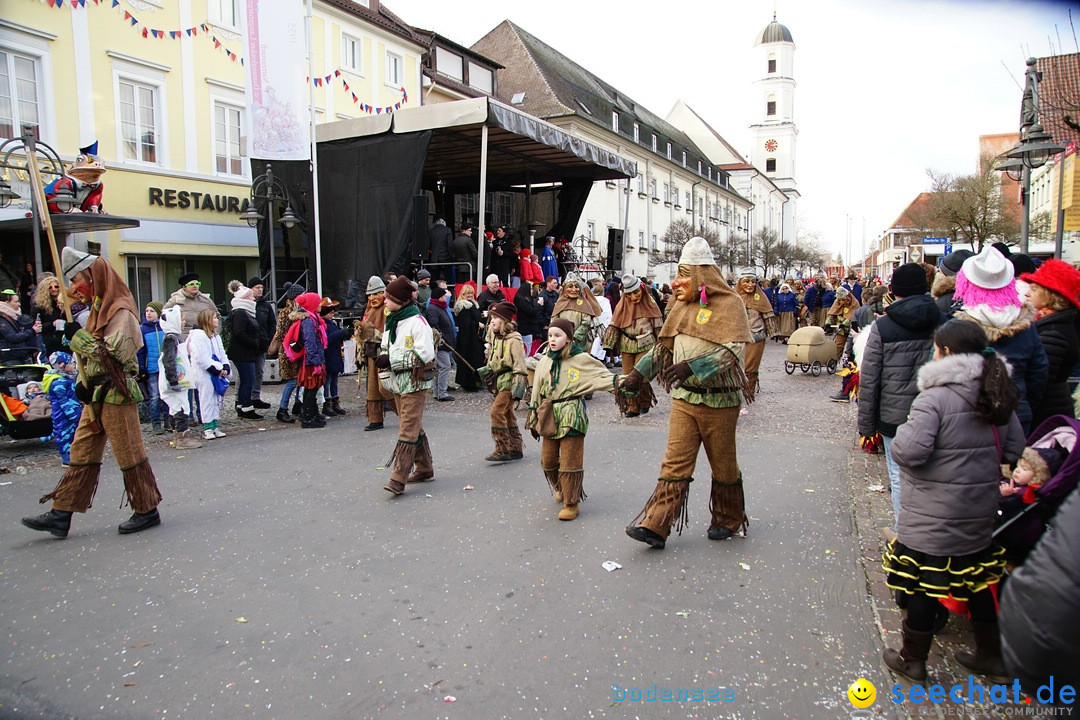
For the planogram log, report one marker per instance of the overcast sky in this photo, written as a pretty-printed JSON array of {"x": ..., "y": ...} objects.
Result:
[{"x": 885, "y": 88}]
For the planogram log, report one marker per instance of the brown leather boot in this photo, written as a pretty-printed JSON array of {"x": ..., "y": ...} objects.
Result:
[
  {"x": 185, "y": 440},
  {"x": 986, "y": 660},
  {"x": 910, "y": 659},
  {"x": 569, "y": 512}
]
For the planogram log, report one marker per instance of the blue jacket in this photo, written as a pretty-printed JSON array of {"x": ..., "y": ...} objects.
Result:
[
  {"x": 811, "y": 299},
  {"x": 770, "y": 292},
  {"x": 548, "y": 263},
  {"x": 335, "y": 338},
  {"x": 149, "y": 353},
  {"x": 786, "y": 302},
  {"x": 314, "y": 352},
  {"x": 828, "y": 298}
]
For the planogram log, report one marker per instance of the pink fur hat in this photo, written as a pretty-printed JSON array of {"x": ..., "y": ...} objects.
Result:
[{"x": 987, "y": 279}]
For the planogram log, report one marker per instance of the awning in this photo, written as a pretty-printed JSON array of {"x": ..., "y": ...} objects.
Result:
[
  {"x": 521, "y": 148},
  {"x": 69, "y": 223}
]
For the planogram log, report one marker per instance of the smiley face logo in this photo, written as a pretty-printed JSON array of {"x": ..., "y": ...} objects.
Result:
[{"x": 862, "y": 693}]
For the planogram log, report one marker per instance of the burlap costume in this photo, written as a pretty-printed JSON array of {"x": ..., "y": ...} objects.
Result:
[
  {"x": 106, "y": 353},
  {"x": 759, "y": 315},
  {"x": 839, "y": 316},
  {"x": 567, "y": 377},
  {"x": 709, "y": 338},
  {"x": 635, "y": 324},
  {"x": 583, "y": 311},
  {"x": 506, "y": 361},
  {"x": 369, "y": 333}
]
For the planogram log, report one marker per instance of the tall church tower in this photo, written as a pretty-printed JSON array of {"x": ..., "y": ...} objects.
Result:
[{"x": 774, "y": 137}]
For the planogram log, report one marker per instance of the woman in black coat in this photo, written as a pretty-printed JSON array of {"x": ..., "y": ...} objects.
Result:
[
  {"x": 246, "y": 342},
  {"x": 470, "y": 341},
  {"x": 1053, "y": 292}
]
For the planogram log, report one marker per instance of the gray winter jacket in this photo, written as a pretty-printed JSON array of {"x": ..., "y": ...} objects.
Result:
[
  {"x": 949, "y": 461},
  {"x": 898, "y": 345},
  {"x": 1040, "y": 604}
]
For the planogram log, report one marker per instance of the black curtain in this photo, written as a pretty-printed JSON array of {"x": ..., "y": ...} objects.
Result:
[
  {"x": 367, "y": 187},
  {"x": 293, "y": 247},
  {"x": 571, "y": 203}
]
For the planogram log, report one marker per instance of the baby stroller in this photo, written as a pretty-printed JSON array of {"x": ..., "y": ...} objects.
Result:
[
  {"x": 1019, "y": 533},
  {"x": 808, "y": 350},
  {"x": 11, "y": 377}
]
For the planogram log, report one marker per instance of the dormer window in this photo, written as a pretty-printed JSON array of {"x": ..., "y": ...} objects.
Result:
[
  {"x": 615, "y": 121},
  {"x": 449, "y": 64},
  {"x": 637, "y": 132},
  {"x": 669, "y": 151},
  {"x": 654, "y": 142}
]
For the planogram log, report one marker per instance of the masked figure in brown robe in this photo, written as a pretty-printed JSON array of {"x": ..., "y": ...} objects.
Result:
[
  {"x": 635, "y": 324},
  {"x": 578, "y": 305},
  {"x": 763, "y": 324},
  {"x": 698, "y": 358},
  {"x": 369, "y": 331}
]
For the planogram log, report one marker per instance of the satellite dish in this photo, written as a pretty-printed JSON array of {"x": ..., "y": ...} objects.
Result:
[{"x": 915, "y": 256}]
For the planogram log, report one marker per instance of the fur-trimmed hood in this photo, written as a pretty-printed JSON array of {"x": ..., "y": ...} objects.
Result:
[
  {"x": 954, "y": 370},
  {"x": 993, "y": 334},
  {"x": 943, "y": 284}
]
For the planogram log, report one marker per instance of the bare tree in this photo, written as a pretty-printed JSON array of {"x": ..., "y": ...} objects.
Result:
[
  {"x": 970, "y": 208},
  {"x": 677, "y": 235},
  {"x": 766, "y": 246}
]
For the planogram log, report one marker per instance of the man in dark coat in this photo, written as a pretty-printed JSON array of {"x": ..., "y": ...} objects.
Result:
[
  {"x": 529, "y": 313},
  {"x": 439, "y": 239},
  {"x": 463, "y": 252},
  {"x": 501, "y": 250},
  {"x": 438, "y": 317},
  {"x": 491, "y": 294},
  {"x": 266, "y": 318},
  {"x": 899, "y": 344}
]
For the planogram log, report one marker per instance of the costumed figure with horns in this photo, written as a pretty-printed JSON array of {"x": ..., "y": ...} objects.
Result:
[
  {"x": 699, "y": 360},
  {"x": 635, "y": 323},
  {"x": 108, "y": 371},
  {"x": 83, "y": 181}
]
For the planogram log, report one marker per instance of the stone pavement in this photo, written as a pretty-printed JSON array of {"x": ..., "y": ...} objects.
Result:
[{"x": 284, "y": 582}]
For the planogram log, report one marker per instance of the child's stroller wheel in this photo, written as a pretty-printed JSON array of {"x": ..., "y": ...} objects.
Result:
[
  {"x": 815, "y": 369},
  {"x": 789, "y": 367},
  {"x": 831, "y": 366}
]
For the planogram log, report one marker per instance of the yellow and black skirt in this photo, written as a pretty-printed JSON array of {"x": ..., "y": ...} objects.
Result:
[{"x": 959, "y": 576}]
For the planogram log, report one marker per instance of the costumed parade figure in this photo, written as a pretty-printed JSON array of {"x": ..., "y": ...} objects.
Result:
[
  {"x": 698, "y": 358},
  {"x": 635, "y": 323},
  {"x": 83, "y": 181},
  {"x": 578, "y": 305},
  {"x": 506, "y": 378},
  {"x": 840, "y": 316},
  {"x": 108, "y": 385},
  {"x": 564, "y": 376},
  {"x": 369, "y": 332},
  {"x": 406, "y": 363},
  {"x": 763, "y": 324}
]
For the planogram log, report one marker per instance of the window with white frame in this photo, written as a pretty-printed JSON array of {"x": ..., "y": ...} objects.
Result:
[
  {"x": 684, "y": 158},
  {"x": 637, "y": 133},
  {"x": 615, "y": 120},
  {"x": 687, "y": 199},
  {"x": 669, "y": 151},
  {"x": 667, "y": 193},
  {"x": 20, "y": 101},
  {"x": 640, "y": 183},
  {"x": 590, "y": 232},
  {"x": 224, "y": 12},
  {"x": 653, "y": 245},
  {"x": 652, "y": 187},
  {"x": 654, "y": 142},
  {"x": 395, "y": 70},
  {"x": 641, "y": 238},
  {"x": 449, "y": 64},
  {"x": 228, "y": 125},
  {"x": 352, "y": 54},
  {"x": 481, "y": 78},
  {"x": 139, "y": 120},
  {"x": 675, "y": 194}
]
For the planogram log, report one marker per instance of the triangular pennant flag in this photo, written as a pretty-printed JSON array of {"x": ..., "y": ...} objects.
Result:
[
  {"x": 52, "y": 3},
  {"x": 337, "y": 73},
  {"x": 217, "y": 43},
  {"x": 59, "y": 3},
  {"x": 397, "y": 106},
  {"x": 145, "y": 32},
  {"x": 127, "y": 15},
  {"x": 188, "y": 31},
  {"x": 327, "y": 79},
  {"x": 234, "y": 57},
  {"x": 354, "y": 98},
  {"x": 115, "y": 3},
  {"x": 378, "y": 111},
  {"x": 346, "y": 85},
  {"x": 134, "y": 22},
  {"x": 205, "y": 27}
]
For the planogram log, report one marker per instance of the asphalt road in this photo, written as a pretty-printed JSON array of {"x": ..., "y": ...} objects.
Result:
[{"x": 284, "y": 582}]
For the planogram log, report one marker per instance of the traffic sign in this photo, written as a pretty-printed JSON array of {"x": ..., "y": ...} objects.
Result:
[
  {"x": 948, "y": 249},
  {"x": 934, "y": 240},
  {"x": 915, "y": 256}
]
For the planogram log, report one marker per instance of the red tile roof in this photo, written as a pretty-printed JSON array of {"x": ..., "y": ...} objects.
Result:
[
  {"x": 1059, "y": 93},
  {"x": 918, "y": 208}
]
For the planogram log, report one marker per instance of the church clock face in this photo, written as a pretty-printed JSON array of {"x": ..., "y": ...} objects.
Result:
[{"x": 771, "y": 145}]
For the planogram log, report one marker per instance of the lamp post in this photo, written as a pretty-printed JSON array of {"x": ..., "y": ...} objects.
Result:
[
  {"x": 1034, "y": 148},
  {"x": 36, "y": 158},
  {"x": 272, "y": 190}
]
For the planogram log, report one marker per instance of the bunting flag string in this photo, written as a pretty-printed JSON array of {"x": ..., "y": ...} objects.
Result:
[{"x": 148, "y": 32}]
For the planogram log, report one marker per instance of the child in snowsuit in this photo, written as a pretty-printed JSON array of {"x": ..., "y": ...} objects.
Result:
[{"x": 59, "y": 386}]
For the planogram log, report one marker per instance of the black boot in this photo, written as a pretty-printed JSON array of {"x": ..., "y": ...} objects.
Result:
[
  {"x": 140, "y": 521},
  {"x": 373, "y": 426},
  {"x": 645, "y": 535},
  {"x": 986, "y": 660},
  {"x": 297, "y": 408},
  {"x": 337, "y": 407},
  {"x": 260, "y": 404},
  {"x": 310, "y": 417},
  {"x": 910, "y": 659},
  {"x": 57, "y": 522},
  {"x": 284, "y": 416},
  {"x": 328, "y": 409}
]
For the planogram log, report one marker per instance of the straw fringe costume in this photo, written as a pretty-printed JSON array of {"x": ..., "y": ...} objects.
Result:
[
  {"x": 840, "y": 315},
  {"x": 759, "y": 315},
  {"x": 410, "y": 345},
  {"x": 106, "y": 353},
  {"x": 706, "y": 339},
  {"x": 566, "y": 377},
  {"x": 632, "y": 333},
  {"x": 369, "y": 331},
  {"x": 507, "y": 362},
  {"x": 583, "y": 311}
]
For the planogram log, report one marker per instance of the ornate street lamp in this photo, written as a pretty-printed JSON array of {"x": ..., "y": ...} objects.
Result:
[
  {"x": 272, "y": 190},
  {"x": 1033, "y": 149},
  {"x": 29, "y": 155}
]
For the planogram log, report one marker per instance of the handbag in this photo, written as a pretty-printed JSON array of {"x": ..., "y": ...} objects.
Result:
[
  {"x": 221, "y": 384},
  {"x": 183, "y": 366}
]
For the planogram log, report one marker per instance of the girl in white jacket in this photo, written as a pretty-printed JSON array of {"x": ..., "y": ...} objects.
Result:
[{"x": 208, "y": 358}]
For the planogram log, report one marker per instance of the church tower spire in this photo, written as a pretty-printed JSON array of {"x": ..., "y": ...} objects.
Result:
[{"x": 774, "y": 137}]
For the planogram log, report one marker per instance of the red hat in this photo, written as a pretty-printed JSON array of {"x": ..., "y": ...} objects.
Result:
[
  {"x": 488, "y": 235},
  {"x": 1059, "y": 276},
  {"x": 525, "y": 252}
]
